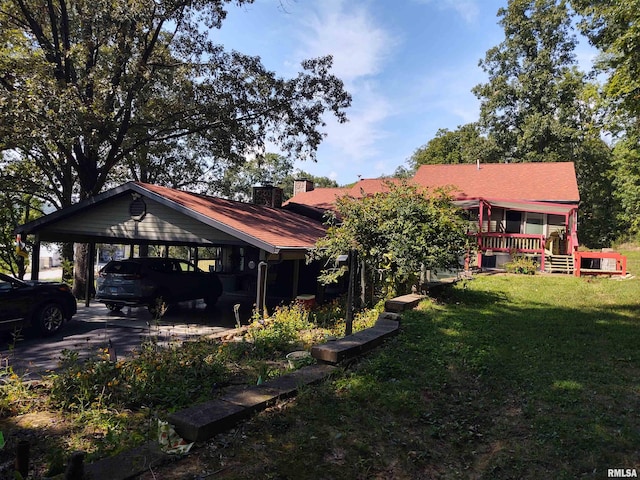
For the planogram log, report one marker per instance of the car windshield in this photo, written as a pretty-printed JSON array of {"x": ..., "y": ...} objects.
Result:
[
  {"x": 124, "y": 268},
  {"x": 6, "y": 281}
]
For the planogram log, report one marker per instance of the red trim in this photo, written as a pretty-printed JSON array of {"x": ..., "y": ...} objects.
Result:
[
  {"x": 621, "y": 263},
  {"x": 570, "y": 206}
]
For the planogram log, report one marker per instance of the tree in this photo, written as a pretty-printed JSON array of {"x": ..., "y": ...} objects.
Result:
[
  {"x": 463, "y": 145},
  {"x": 538, "y": 107},
  {"x": 86, "y": 86},
  {"x": 397, "y": 234},
  {"x": 627, "y": 183},
  {"x": 612, "y": 27},
  {"x": 16, "y": 207},
  {"x": 529, "y": 106},
  {"x": 318, "y": 182},
  {"x": 238, "y": 181}
]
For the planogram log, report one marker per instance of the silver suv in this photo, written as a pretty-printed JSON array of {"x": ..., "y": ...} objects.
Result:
[{"x": 154, "y": 282}]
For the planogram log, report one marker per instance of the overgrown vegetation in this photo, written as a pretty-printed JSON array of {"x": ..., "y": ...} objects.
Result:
[
  {"x": 102, "y": 405},
  {"x": 505, "y": 376},
  {"x": 522, "y": 264},
  {"x": 395, "y": 234}
]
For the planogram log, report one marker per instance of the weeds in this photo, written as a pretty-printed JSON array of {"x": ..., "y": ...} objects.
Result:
[{"x": 110, "y": 404}]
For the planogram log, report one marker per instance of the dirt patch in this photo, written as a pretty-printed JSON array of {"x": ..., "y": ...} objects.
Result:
[{"x": 45, "y": 431}]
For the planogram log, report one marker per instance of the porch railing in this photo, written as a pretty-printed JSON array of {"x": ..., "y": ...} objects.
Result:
[{"x": 511, "y": 242}]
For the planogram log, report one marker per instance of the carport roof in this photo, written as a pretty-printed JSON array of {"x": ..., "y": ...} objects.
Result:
[{"x": 268, "y": 228}]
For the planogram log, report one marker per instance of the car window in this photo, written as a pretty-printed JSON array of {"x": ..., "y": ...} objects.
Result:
[
  {"x": 182, "y": 266},
  {"x": 161, "y": 265},
  {"x": 4, "y": 285},
  {"x": 124, "y": 268}
]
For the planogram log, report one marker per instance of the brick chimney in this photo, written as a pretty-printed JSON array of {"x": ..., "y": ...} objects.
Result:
[
  {"x": 267, "y": 195},
  {"x": 302, "y": 185}
]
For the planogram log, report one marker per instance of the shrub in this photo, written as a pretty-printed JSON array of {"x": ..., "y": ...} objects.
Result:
[
  {"x": 523, "y": 265},
  {"x": 168, "y": 377},
  {"x": 278, "y": 333}
]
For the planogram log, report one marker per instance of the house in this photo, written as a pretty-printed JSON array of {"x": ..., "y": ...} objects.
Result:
[
  {"x": 254, "y": 247},
  {"x": 513, "y": 208}
]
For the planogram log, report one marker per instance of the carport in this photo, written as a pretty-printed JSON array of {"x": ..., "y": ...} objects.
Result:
[{"x": 258, "y": 246}]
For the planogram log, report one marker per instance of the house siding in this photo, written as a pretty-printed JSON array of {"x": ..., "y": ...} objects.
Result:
[{"x": 159, "y": 224}]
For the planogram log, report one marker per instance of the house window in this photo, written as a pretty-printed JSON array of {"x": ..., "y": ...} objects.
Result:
[
  {"x": 514, "y": 219},
  {"x": 534, "y": 224}
]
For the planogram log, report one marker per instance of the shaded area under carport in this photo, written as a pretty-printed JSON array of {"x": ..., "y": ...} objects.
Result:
[{"x": 95, "y": 327}]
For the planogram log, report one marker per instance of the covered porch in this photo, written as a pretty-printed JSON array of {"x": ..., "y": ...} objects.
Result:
[{"x": 506, "y": 228}]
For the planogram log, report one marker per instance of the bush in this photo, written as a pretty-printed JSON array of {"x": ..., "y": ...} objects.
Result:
[
  {"x": 522, "y": 265},
  {"x": 278, "y": 333},
  {"x": 166, "y": 377}
]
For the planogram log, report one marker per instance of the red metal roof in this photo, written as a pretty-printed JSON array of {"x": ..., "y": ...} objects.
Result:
[
  {"x": 543, "y": 182},
  {"x": 274, "y": 226}
]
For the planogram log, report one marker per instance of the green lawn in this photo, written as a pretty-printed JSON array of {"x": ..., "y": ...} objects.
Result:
[{"x": 506, "y": 377}]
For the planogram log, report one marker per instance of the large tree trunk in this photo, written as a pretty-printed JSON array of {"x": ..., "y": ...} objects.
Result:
[{"x": 80, "y": 270}]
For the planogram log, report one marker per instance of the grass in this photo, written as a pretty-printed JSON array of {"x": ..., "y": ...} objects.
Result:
[{"x": 506, "y": 376}]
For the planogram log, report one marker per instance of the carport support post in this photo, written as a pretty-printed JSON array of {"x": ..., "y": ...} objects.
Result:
[
  {"x": 88, "y": 289},
  {"x": 35, "y": 259},
  {"x": 261, "y": 294}
]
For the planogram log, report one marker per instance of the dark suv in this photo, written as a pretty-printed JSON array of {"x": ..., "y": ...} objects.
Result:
[
  {"x": 154, "y": 282},
  {"x": 44, "y": 305}
]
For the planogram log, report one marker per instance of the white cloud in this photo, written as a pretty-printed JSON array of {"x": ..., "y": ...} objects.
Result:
[
  {"x": 360, "y": 48},
  {"x": 348, "y": 32},
  {"x": 467, "y": 9}
]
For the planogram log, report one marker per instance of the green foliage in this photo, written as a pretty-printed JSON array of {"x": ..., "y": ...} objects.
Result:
[
  {"x": 503, "y": 377},
  {"x": 237, "y": 181},
  {"x": 612, "y": 27},
  {"x": 395, "y": 234},
  {"x": 16, "y": 208},
  {"x": 278, "y": 333},
  {"x": 627, "y": 182},
  {"x": 522, "y": 264},
  {"x": 463, "y": 145},
  {"x": 140, "y": 82},
  {"x": 530, "y": 105},
  {"x": 16, "y": 395},
  {"x": 165, "y": 377}
]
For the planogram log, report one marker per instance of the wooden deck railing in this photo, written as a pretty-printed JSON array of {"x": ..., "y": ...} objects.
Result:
[{"x": 511, "y": 242}]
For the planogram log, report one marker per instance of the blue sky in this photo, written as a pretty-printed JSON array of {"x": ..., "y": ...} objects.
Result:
[{"x": 409, "y": 65}]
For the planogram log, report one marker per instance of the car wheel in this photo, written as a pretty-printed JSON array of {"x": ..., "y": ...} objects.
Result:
[
  {"x": 160, "y": 305},
  {"x": 49, "y": 318},
  {"x": 112, "y": 307},
  {"x": 211, "y": 301}
]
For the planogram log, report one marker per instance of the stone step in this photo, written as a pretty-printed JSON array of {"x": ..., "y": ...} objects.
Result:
[
  {"x": 403, "y": 303},
  {"x": 336, "y": 351},
  {"x": 202, "y": 421}
]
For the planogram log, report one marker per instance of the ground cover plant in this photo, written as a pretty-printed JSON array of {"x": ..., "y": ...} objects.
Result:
[
  {"x": 506, "y": 376},
  {"x": 104, "y": 405}
]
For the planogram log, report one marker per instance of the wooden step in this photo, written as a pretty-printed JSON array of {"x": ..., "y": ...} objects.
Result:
[{"x": 558, "y": 264}]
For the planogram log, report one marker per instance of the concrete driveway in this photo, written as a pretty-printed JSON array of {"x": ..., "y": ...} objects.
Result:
[{"x": 96, "y": 327}]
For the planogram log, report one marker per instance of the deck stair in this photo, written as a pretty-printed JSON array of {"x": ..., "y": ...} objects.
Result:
[{"x": 558, "y": 264}]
